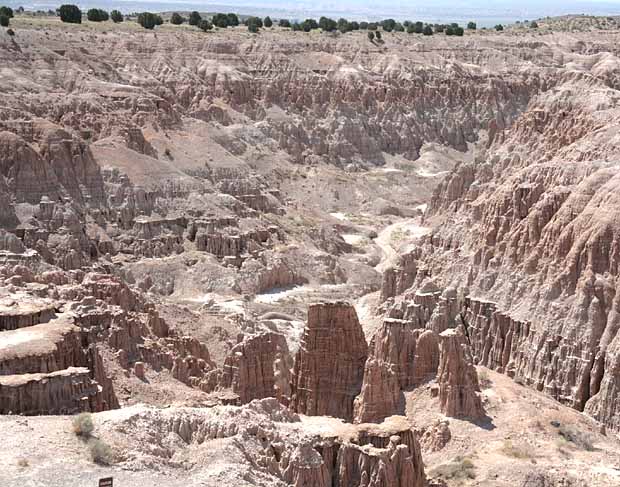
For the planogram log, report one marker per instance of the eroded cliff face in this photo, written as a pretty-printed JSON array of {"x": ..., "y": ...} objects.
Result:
[
  {"x": 529, "y": 231},
  {"x": 401, "y": 357},
  {"x": 280, "y": 445}
]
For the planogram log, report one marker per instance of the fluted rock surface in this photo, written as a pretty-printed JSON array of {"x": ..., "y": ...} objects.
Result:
[
  {"x": 282, "y": 445},
  {"x": 26, "y": 312},
  {"x": 66, "y": 391},
  {"x": 329, "y": 364},
  {"x": 258, "y": 367},
  {"x": 459, "y": 391},
  {"x": 401, "y": 357}
]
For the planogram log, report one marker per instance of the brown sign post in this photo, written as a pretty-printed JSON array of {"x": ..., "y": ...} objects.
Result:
[{"x": 107, "y": 482}]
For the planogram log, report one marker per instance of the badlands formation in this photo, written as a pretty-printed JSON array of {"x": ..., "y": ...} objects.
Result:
[{"x": 309, "y": 259}]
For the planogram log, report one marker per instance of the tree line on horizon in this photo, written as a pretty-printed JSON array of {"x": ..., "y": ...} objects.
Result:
[{"x": 72, "y": 14}]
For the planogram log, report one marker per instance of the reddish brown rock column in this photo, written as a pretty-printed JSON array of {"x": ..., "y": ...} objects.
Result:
[
  {"x": 401, "y": 357},
  {"x": 459, "y": 392},
  {"x": 258, "y": 367},
  {"x": 329, "y": 364}
]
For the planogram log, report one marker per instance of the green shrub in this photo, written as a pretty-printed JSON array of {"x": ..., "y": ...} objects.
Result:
[
  {"x": 472, "y": 26},
  {"x": 233, "y": 20},
  {"x": 254, "y": 24},
  {"x": 149, "y": 20},
  {"x": 388, "y": 25},
  {"x": 70, "y": 14},
  {"x": 428, "y": 30},
  {"x": 284, "y": 23},
  {"x": 194, "y": 18},
  {"x": 83, "y": 425},
  {"x": 176, "y": 19},
  {"x": 371, "y": 36},
  {"x": 100, "y": 452},
  {"x": 204, "y": 25},
  {"x": 499, "y": 27},
  {"x": 343, "y": 26},
  {"x": 220, "y": 20},
  {"x": 327, "y": 25},
  {"x": 97, "y": 15},
  {"x": 8, "y": 11},
  {"x": 267, "y": 22},
  {"x": 116, "y": 16},
  {"x": 4, "y": 20},
  {"x": 534, "y": 25},
  {"x": 309, "y": 24}
]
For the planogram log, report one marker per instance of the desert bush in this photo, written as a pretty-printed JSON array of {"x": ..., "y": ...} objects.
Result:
[
  {"x": 176, "y": 19},
  {"x": 343, "y": 25},
  {"x": 8, "y": 11},
  {"x": 4, "y": 20},
  {"x": 254, "y": 24},
  {"x": 371, "y": 36},
  {"x": 499, "y": 27},
  {"x": 100, "y": 452},
  {"x": 267, "y": 22},
  {"x": 220, "y": 20},
  {"x": 388, "y": 25},
  {"x": 116, "y": 16},
  {"x": 194, "y": 18},
  {"x": 70, "y": 14},
  {"x": 578, "y": 438},
  {"x": 309, "y": 24},
  {"x": 284, "y": 23},
  {"x": 83, "y": 425},
  {"x": 233, "y": 20},
  {"x": 459, "y": 468},
  {"x": 534, "y": 25},
  {"x": 23, "y": 463},
  {"x": 511, "y": 450},
  {"x": 204, "y": 25},
  {"x": 428, "y": 30},
  {"x": 97, "y": 15},
  {"x": 378, "y": 35},
  {"x": 149, "y": 20},
  {"x": 327, "y": 25},
  {"x": 472, "y": 25},
  {"x": 10, "y": 32},
  {"x": 483, "y": 378}
]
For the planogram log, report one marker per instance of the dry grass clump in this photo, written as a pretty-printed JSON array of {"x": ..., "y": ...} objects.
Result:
[
  {"x": 83, "y": 425},
  {"x": 100, "y": 452},
  {"x": 459, "y": 468},
  {"x": 484, "y": 379},
  {"x": 516, "y": 451},
  {"x": 572, "y": 435}
]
